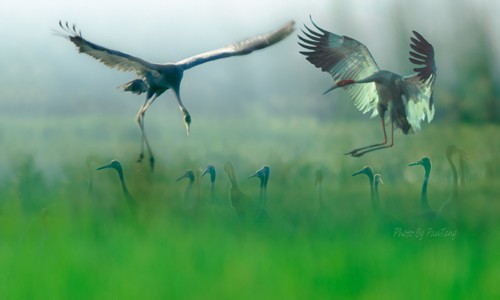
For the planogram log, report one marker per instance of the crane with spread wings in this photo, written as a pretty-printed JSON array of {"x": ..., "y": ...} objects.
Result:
[
  {"x": 407, "y": 99},
  {"x": 154, "y": 79}
]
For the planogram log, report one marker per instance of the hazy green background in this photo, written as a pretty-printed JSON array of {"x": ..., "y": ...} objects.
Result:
[{"x": 60, "y": 109}]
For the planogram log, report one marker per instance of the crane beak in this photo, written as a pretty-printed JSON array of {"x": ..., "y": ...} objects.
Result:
[
  {"x": 210, "y": 169},
  {"x": 260, "y": 173},
  {"x": 362, "y": 171},
  {"x": 104, "y": 167},
  {"x": 415, "y": 163},
  {"x": 330, "y": 89},
  {"x": 114, "y": 164},
  {"x": 182, "y": 177},
  {"x": 254, "y": 175},
  {"x": 341, "y": 83},
  {"x": 189, "y": 174}
]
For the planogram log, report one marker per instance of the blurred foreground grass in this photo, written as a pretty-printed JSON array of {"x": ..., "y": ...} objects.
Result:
[{"x": 60, "y": 240}]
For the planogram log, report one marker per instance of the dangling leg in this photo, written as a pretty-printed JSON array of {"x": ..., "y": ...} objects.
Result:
[
  {"x": 140, "y": 121},
  {"x": 355, "y": 151},
  {"x": 380, "y": 146},
  {"x": 148, "y": 147}
]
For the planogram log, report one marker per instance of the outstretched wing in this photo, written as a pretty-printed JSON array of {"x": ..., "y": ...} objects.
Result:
[
  {"x": 111, "y": 58},
  {"x": 423, "y": 57},
  {"x": 344, "y": 58},
  {"x": 418, "y": 88},
  {"x": 243, "y": 47}
]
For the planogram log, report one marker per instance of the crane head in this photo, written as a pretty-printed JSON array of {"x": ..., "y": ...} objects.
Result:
[
  {"x": 424, "y": 161},
  {"x": 228, "y": 166},
  {"x": 341, "y": 83},
  {"x": 367, "y": 170},
  {"x": 262, "y": 174},
  {"x": 452, "y": 149},
  {"x": 188, "y": 174},
  {"x": 114, "y": 164},
  {"x": 210, "y": 169}
]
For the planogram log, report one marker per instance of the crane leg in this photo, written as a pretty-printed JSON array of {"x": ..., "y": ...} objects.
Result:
[
  {"x": 139, "y": 119},
  {"x": 361, "y": 151},
  {"x": 379, "y": 147},
  {"x": 144, "y": 141}
]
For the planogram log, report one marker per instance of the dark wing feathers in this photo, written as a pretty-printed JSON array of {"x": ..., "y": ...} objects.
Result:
[
  {"x": 333, "y": 53},
  {"x": 344, "y": 58},
  {"x": 422, "y": 56},
  {"x": 112, "y": 58},
  {"x": 320, "y": 54},
  {"x": 419, "y": 87}
]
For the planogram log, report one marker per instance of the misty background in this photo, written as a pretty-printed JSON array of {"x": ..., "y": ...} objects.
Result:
[{"x": 42, "y": 74}]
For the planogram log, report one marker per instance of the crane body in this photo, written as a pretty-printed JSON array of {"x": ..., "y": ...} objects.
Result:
[
  {"x": 404, "y": 101},
  {"x": 154, "y": 79}
]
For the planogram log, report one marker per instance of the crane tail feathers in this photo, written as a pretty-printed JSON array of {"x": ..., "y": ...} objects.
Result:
[{"x": 136, "y": 86}]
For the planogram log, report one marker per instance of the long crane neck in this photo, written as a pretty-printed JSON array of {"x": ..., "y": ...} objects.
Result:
[
  {"x": 263, "y": 187},
  {"x": 130, "y": 201},
  {"x": 320, "y": 194},
  {"x": 232, "y": 177},
  {"x": 373, "y": 191},
  {"x": 212, "y": 189},
  {"x": 454, "y": 194},
  {"x": 90, "y": 183},
  {"x": 462, "y": 171},
  {"x": 424, "y": 205},
  {"x": 187, "y": 192},
  {"x": 375, "y": 187},
  {"x": 263, "y": 196}
]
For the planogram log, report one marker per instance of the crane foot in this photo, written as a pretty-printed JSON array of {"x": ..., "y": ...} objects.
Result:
[
  {"x": 141, "y": 157},
  {"x": 152, "y": 163},
  {"x": 354, "y": 153}
]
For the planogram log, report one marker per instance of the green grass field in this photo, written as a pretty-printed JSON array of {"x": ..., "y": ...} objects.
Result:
[{"x": 58, "y": 240}]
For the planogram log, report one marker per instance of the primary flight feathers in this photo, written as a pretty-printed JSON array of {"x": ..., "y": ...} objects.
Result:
[{"x": 126, "y": 62}]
